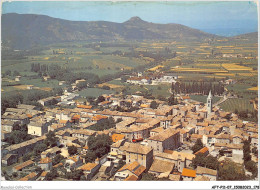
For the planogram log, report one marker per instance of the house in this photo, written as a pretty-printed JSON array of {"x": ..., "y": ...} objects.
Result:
[
  {"x": 165, "y": 122},
  {"x": 135, "y": 132},
  {"x": 45, "y": 163},
  {"x": 38, "y": 128},
  {"x": 168, "y": 139},
  {"x": 180, "y": 159},
  {"x": 237, "y": 139},
  {"x": 4, "y": 134},
  {"x": 30, "y": 177},
  {"x": 98, "y": 118},
  {"x": 204, "y": 151},
  {"x": 23, "y": 165},
  {"x": 136, "y": 152},
  {"x": 210, "y": 173},
  {"x": 51, "y": 152},
  {"x": 9, "y": 159},
  {"x": 254, "y": 140},
  {"x": 83, "y": 135},
  {"x": 117, "y": 137},
  {"x": 131, "y": 178},
  {"x": 201, "y": 178},
  {"x": 8, "y": 125},
  {"x": 161, "y": 167},
  {"x": 188, "y": 174},
  {"x": 128, "y": 171},
  {"x": 17, "y": 78},
  {"x": 156, "y": 131},
  {"x": 50, "y": 100},
  {"x": 56, "y": 127},
  {"x": 23, "y": 148},
  {"x": 73, "y": 162},
  {"x": 116, "y": 153},
  {"x": 80, "y": 81},
  {"x": 20, "y": 117},
  {"x": 223, "y": 138},
  {"x": 89, "y": 170},
  {"x": 195, "y": 137}
]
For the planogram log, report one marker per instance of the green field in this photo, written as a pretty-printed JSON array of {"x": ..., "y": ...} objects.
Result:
[
  {"x": 239, "y": 104},
  {"x": 94, "y": 92},
  {"x": 201, "y": 98}
]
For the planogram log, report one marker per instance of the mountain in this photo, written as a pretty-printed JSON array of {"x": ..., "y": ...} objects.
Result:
[
  {"x": 22, "y": 31},
  {"x": 252, "y": 35}
]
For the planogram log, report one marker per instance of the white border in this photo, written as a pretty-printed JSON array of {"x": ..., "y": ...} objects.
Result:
[{"x": 127, "y": 184}]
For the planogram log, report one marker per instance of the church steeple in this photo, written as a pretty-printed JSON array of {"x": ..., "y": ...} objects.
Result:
[{"x": 209, "y": 103}]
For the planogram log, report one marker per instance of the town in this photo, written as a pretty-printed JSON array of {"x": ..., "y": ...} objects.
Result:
[
  {"x": 179, "y": 140},
  {"x": 129, "y": 91}
]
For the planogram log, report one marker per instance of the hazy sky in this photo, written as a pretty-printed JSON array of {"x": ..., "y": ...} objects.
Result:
[{"x": 234, "y": 15}]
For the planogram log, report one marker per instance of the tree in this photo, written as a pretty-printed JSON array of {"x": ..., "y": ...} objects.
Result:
[
  {"x": 211, "y": 162},
  {"x": 246, "y": 151},
  {"x": 72, "y": 150},
  {"x": 148, "y": 177},
  {"x": 255, "y": 151},
  {"x": 124, "y": 78},
  {"x": 231, "y": 171},
  {"x": 39, "y": 148},
  {"x": 105, "y": 87},
  {"x": 100, "y": 99},
  {"x": 90, "y": 156},
  {"x": 15, "y": 174},
  {"x": 16, "y": 73},
  {"x": 27, "y": 156},
  {"x": 57, "y": 159},
  {"x": 199, "y": 160},
  {"x": 97, "y": 147},
  {"x": 18, "y": 136},
  {"x": 51, "y": 139},
  {"x": 252, "y": 167},
  {"x": 171, "y": 100},
  {"x": 153, "y": 105},
  {"x": 198, "y": 145},
  {"x": 121, "y": 163},
  {"x": 8, "y": 73},
  {"x": 52, "y": 174}
]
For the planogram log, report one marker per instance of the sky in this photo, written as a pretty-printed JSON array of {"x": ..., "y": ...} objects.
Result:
[{"x": 223, "y": 18}]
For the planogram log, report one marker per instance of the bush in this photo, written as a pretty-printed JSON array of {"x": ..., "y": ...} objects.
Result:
[
  {"x": 198, "y": 145},
  {"x": 72, "y": 150}
]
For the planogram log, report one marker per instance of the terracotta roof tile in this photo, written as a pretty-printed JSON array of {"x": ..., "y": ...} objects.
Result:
[
  {"x": 88, "y": 166},
  {"x": 131, "y": 178},
  {"x": 188, "y": 172},
  {"x": 45, "y": 160}
]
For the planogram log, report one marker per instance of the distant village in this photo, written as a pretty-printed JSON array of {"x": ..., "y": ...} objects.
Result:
[{"x": 156, "y": 141}]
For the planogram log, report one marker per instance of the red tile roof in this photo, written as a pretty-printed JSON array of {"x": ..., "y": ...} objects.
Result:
[{"x": 188, "y": 172}]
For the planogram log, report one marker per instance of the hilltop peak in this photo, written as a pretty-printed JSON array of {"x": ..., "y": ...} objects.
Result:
[{"x": 135, "y": 19}]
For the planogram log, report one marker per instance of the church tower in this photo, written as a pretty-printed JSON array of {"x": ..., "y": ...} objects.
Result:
[{"x": 209, "y": 103}]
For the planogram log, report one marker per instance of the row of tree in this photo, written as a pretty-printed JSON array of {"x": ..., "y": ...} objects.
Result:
[{"x": 198, "y": 87}]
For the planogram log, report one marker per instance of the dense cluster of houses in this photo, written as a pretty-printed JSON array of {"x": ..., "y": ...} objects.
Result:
[{"x": 157, "y": 141}]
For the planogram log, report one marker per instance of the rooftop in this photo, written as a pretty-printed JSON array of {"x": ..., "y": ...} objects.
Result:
[
  {"x": 88, "y": 166},
  {"x": 161, "y": 166},
  {"x": 203, "y": 170},
  {"x": 137, "y": 148},
  {"x": 23, "y": 165},
  {"x": 188, "y": 172},
  {"x": 164, "y": 135},
  {"x": 45, "y": 160}
]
